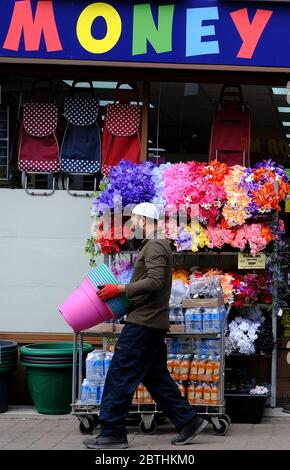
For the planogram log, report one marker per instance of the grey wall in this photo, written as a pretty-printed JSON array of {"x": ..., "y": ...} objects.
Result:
[{"x": 41, "y": 258}]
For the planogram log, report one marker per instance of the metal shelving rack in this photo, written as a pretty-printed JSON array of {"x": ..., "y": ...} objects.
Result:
[{"x": 88, "y": 414}]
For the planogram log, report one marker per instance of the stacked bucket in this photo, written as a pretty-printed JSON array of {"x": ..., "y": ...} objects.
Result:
[
  {"x": 8, "y": 363},
  {"x": 83, "y": 309},
  {"x": 49, "y": 375}
]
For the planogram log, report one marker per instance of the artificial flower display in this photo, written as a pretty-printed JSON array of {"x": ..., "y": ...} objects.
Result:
[
  {"x": 242, "y": 333},
  {"x": 224, "y": 203}
]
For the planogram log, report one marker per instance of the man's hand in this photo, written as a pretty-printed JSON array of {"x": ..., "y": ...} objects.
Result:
[{"x": 108, "y": 291}]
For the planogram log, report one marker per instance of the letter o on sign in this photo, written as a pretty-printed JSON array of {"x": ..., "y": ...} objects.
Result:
[{"x": 84, "y": 28}]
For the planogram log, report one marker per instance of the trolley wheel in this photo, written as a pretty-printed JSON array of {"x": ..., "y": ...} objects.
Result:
[
  {"x": 87, "y": 424},
  {"x": 151, "y": 430},
  {"x": 228, "y": 419},
  {"x": 222, "y": 429}
]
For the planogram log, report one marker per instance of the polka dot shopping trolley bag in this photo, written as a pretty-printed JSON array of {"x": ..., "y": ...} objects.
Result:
[
  {"x": 121, "y": 135},
  {"x": 38, "y": 150},
  {"x": 81, "y": 145}
]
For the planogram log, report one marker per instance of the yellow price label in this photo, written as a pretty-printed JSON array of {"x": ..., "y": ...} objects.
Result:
[
  {"x": 287, "y": 205},
  {"x": 247, "y": 261}
]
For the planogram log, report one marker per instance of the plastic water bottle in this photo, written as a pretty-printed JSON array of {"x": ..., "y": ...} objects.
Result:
[
  {"x": 207, "y": 320},
  {"x": 187, "y": 319},
  {"x": 85, "y": 391},
  {"x": 204, "y": 348},
  {"x": 215, "y": 316},
  {"x": 180, "y": 317},
  {"x": 90, "y": 366},
  {"x": 196, "y": 320},
  {"x": 99, "y": 364}
]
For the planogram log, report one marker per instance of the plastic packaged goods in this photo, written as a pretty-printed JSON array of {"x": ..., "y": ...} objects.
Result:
[
  {"x": 176, "y": 367},
  {"x": 146, "y": 396},
  {"x": 187, "y": 321},
  {"x": 179, "y": 317},
  {"x": 193, "y": 368},
  {"x": 140, "y": 393},
  {"x": 85, "y": 391},
  {"x": 199, "y": 393},
  {"x": 207, "y": 323},
  {"x": 201, "y": 368},
  {"x": 96, "y": 391},
  {"x": 191, "y": 393},
  {"x": 178, "y": 293},
  {"x": 170, "y": 363},
  {"x": 209, "y": 369},
  {"x": 207, "y": 393},
  {"x": 184, "y": 367},
  {"x": 208, "y": 287},
  {"x": 196, "y": 320},
  {"x": 217, "y": 366},
  {"x": 215, "y": 316},
  {"x": 214, "y": 400},
  {"x": 135, "y": 399},
  {"x": 94, "y": 365}
]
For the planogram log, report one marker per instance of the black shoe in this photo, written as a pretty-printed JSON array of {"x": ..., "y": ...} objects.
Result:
[
  {"x": 189, "y": 431},
  {"x": 100, "y": 442}
]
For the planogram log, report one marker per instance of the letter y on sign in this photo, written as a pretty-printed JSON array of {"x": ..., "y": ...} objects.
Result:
[{"x": 250, "y": 32}]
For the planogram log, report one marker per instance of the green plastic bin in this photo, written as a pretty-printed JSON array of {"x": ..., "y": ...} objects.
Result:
[{"x": 50, "y": 384}]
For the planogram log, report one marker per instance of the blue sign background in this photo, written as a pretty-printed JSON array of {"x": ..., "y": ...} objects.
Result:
[{"x": 273, "y": 48}]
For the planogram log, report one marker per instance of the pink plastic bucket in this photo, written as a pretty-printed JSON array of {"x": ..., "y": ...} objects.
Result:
[{"x": 83, "y": 309}]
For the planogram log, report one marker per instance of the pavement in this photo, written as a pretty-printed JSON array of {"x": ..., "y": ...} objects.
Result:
[{"x": 24, "y": 429}]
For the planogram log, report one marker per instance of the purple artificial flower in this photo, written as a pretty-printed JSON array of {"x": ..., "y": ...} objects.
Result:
[
  {"x": 273, "y": 166},
  {"x": 132, "y": 183}
]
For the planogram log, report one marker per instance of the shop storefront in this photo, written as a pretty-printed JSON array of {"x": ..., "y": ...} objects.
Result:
[{"x": 172, "y": 58}]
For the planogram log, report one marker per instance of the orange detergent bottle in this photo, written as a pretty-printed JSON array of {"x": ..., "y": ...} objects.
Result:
[
  {"x": 193, "y": 368},
  {"x": 206, "y": 393},
  {"x": 184, "y": 367},
  {"x": 176, "y": 367},
  {"x": 209, "y": 369},
  {"x": 191, "y": 393},
  {"x": 170, "y": 363},
  {"x": 135, "y": 400},
  {"x": 214, "y": 399},
  {"x": 147, "y": 396},
  {"x": 199, "y": 393},
  {"x": 201, "y": 368},
  {"x": 216, "y": 370},
  {"x": 140, "y": 393}
]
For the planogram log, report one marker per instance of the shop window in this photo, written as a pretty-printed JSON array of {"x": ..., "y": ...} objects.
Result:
[
  {"x": 182, "y": 114},
  {"x": 14, "y": 93}
]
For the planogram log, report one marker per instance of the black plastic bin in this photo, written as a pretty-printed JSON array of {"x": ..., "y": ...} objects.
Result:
[
  {"x": 245, "y": 408},
  {"x": 5, "y": 384}
]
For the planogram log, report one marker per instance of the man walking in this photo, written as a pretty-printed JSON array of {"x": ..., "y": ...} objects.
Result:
[{"x": 141, "y": 354}]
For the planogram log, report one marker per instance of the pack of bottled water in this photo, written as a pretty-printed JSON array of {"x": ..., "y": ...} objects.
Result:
[
  {"x": 204, "y": 320},
  {"x": 97, "y": 366}
]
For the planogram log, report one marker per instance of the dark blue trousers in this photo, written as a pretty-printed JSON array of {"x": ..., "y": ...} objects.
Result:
[{"x": 140, "y": 357}]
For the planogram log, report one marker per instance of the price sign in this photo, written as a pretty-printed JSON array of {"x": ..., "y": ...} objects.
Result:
[
  {"x": 247, "y": 261},
  {"x": 287, "y": 205}
]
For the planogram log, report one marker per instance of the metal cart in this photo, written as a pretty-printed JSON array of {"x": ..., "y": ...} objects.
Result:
[{"x": 148, "y": 414}]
